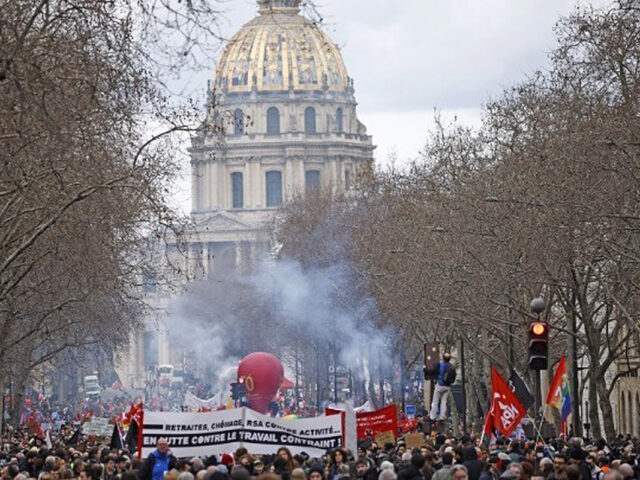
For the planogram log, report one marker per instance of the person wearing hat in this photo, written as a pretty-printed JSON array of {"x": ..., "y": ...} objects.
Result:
[
  {"x": 316, "y": 472},
  {"x": 446, "y": 377}
]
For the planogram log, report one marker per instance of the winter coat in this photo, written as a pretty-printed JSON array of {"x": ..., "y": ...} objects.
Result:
[
  {"x": 410, "y": 472},
  {"x": 470, "y": 460},
  {"x": 443, "y": 474},
  {"x": 146, "y": 471}
]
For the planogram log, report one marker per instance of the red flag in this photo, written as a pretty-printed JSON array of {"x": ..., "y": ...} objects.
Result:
[
  {"x": 506, "y": 409},
  {"x": 489, "y": 422}
]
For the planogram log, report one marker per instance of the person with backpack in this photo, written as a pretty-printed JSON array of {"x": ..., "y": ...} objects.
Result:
[{"x": 446, "y": 377}]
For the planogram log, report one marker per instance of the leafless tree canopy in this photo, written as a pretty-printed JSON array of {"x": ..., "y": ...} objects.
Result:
[
  {"x": 542, "y": 200},
  {"x": 87, "y": 159}
]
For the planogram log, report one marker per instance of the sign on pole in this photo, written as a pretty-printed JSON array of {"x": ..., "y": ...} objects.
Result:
[{"x": 98, "y": 426}]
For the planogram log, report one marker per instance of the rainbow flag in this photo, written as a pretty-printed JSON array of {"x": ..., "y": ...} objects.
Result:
[{"x": 559, "y": 391}]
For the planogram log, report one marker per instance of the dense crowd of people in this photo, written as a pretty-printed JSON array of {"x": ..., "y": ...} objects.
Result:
[{"x": 68, "y": 456}]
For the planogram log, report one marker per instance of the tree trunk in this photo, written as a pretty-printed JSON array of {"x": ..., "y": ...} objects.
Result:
[
  {"x": 594, "y": 418},
  {"x": 607, "y": 411}
]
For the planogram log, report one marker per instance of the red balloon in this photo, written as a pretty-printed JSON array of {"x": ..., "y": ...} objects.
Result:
[{"x": 262, "y": 374}]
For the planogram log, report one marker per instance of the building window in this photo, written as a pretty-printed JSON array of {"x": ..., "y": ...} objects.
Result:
[
  {"x": 310, "y": 120},
  {"x": 274, "y": 188},
  {"x": 237, "y": 192},
  {"x": 347, "y": 179},
  {"x": 339, "y": 120},
  {"x": 238, "y": 122},
  {"x": 273, "y": 121},
  {"x": 312, "y": 179}
]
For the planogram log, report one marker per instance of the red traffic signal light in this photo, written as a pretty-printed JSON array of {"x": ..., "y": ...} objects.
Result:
[{"x": 538, "y": 328}]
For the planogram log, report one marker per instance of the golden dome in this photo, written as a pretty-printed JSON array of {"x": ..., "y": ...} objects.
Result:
[{"x": 280, "y": 50}]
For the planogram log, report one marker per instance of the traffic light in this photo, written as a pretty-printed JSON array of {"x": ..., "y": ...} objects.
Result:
[
  {"x": 538, "y": 345},
  {"x": 238, "y": 391}
]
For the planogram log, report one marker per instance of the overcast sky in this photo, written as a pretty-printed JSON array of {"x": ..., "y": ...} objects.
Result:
[{"x": 408, "y": 57}]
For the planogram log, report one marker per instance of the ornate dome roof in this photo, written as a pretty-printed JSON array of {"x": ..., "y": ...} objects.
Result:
[{"x": 280, "y": 50}]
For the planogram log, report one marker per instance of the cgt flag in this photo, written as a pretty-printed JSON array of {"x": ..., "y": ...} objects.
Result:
[{"x": 506, "y": 410}]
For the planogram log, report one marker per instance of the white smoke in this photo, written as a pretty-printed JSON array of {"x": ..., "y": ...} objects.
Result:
[{"x": 321, "y": 305}]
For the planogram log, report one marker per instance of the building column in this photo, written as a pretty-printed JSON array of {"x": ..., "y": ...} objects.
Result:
[
  {"x": 209, "y": 186},
  {"x": 194, "y": 185},
  {"x": 288, "y": 180},
  {"x": 205, "y": 258},
  {"x": 260, "y": 200},
  {"x": 248, "y": 183},
  {"x": 301, "y": 175},
  {"x": 239, "y": 258}
]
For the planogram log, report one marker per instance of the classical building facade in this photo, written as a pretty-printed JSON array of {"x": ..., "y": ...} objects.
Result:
[{"x": 284, "y": 121}]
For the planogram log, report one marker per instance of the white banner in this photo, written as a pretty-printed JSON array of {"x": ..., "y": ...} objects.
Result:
[
  {"x": 204, "y": 434},
  {"x": 98, "y": 426},
  {"x": 191, "y": 401}
]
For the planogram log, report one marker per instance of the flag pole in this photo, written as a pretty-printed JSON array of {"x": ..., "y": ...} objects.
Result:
[{"x": 539, "y": 429}]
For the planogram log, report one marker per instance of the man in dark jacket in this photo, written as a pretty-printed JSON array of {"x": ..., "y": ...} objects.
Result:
[
  {"x": 470, "y": 460},
  {"x": 158, "y": 463},
  {"x": 364, "y": 471},
  {"x": 413, "y": 471}
]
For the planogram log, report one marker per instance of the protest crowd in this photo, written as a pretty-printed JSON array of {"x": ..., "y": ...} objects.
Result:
[{"x": 67, "y": 455}]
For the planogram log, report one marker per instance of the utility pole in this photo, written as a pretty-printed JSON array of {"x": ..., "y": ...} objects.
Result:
[
  {"x": 573, "y": 358},
  {"x": 464, "y": 386}
]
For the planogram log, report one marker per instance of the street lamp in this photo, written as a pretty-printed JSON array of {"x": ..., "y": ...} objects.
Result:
[{"x": 538, "y": 305}]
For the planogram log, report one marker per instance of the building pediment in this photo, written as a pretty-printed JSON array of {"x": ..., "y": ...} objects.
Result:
[{"x": 222, "y": 221}]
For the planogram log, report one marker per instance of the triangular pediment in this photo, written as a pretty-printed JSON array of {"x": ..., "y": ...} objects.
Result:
[{"x": 223, "y": 221}]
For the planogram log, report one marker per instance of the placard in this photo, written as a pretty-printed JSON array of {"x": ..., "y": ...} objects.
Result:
[
  {"x": 385, "y": 437},
  {"x": 414, "y": 440}
]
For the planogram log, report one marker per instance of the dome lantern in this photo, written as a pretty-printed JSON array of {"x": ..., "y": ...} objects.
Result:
[{"x": 279, "y": 6}]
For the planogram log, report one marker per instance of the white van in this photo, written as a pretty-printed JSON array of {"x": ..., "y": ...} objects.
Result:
[{"x": 91, "y": 386}]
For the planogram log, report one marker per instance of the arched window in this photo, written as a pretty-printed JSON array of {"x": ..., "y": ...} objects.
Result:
[
  {"x": 237, "y": 192},
  {"x": 310, "y": 120},
  {"x": 347, "y": 179},
  {"x": 273, "y": 121},
  {"x": 339, "y": 120},
  {"x": 312, "y": 179},
  {"x": 274, "y": 188},
  {"x": 238, "y": 122}
]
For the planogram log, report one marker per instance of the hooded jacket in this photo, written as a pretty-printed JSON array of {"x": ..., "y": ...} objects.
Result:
[{"x": 470, "y": 460}]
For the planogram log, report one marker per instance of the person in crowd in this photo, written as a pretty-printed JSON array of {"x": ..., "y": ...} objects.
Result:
[
  {"x": 158, "y": 463},
  {"x": 445, "y": 470},
  {"x": 285, "y": 453},
  {"x": 559, "y": 468},
  {"x": 364, "y": 470},
  {"x": 459, "y": 472},
  {"x": 316, "y": 472},
  {"x": 413, "y": 471},
  {"x": 337, "y": 458},
  {"x": 491, "y": 470},
  {"x": 471, "y": 462},
  {"x": 446, "y": 375}
]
